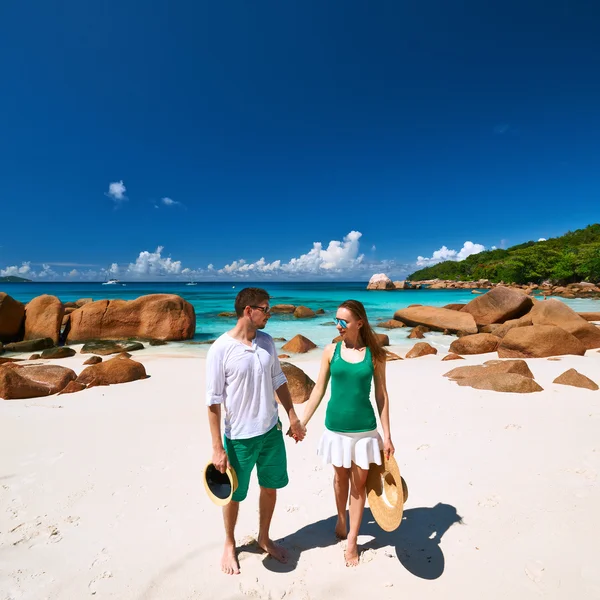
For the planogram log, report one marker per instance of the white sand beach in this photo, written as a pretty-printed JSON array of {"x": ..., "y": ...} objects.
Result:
[{"x": 101, "y": 494}]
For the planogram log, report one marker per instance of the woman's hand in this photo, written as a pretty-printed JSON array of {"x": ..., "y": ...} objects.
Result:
[{"x": 388, "y": 448}]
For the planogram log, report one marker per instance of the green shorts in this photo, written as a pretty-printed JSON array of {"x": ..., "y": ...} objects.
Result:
[{"x": 267, "y": 452}]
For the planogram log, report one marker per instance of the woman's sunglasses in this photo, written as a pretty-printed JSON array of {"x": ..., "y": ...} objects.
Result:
[{"x": 341, "y": 322}]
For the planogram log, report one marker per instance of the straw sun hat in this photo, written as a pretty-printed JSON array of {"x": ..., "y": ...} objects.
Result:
[
  {"x": 386, "y": 492},
  {"x": 220, "y": 486}
]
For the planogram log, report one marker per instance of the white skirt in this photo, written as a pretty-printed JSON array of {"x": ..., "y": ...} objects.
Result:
[{"x": 343, "y": 449}]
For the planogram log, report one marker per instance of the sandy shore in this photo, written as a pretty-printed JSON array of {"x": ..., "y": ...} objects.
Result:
[{"x": 101, "y": 494}]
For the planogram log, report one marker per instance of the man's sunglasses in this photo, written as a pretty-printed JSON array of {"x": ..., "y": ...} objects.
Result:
[
  {"x": 341, "y": 322},
  {"x": 266, "y": 310}
]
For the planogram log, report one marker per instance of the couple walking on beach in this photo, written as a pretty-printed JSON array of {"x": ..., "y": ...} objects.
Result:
[{"x": 243, "y": 374}]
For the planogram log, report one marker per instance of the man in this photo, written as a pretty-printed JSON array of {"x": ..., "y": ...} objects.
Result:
[{"x": 242, "y": 374}]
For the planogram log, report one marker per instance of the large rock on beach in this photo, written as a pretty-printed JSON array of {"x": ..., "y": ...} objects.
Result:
[
  {"x": 12, "y": 315},
  {"x": 299, "y": 383},
  {"x": 539, "y": 341},
  {"x": 116, "y": 370},
  {"x": 391, "y": 324},
  {"x": 555, "y": 312},
  {"x": 520, "y": 367},
  {"x": 30, "y": 345},
  {"x": 61, "y": 352},
  {"x": 93, "y": 360},
  {"x": 502, "y": 382},
  {"x": 590, "y": 316},
  {"x": 498, "y": 305},
  {"x": 502, "y": 330},
  {"x": 437, "y": 319},
  {"x": 33, "y": 381},
  {"x": 155, "y": 316},
  {"x": 421, "y": 349},
  {"x": 452, "y": 356},
  {"x": 283, "y": 309},
  {"x": 107, "y": 347},
  {"x": 299, "y": 345},
  {"x": 380, "y": 281},
  {"x": 43, "y": 318},
  {"x": 576, "y": 379},
  {"x": 303, "y": 312},
  {"x": 478, "y": 343}
]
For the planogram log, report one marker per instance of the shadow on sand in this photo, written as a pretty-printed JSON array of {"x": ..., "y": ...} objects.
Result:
[{"x": 416, "y": 541}]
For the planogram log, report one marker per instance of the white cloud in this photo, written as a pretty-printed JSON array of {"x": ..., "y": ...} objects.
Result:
[
  {"x": 24, "y": 269},
  {"x": 47, "y": 272},
  {"x": 74, "y": 273},
  {"x": 116, "y": 191},
  {"x": 152, "y": 263},
  {"x": 338, "y": 257},
  {"x": 542, "y": 240},
  {"x": 445, "y": 253},
  {"x": 170, "y": 202}
]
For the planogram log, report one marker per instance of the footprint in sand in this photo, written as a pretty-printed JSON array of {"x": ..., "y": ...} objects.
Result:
[
  {"x": 291, "y": 508},
  {"x": 534, "y": 569},
  {"x": 513, "y": 426},
  {"x": 102, "y": 557},
  {"x": 489, "y": 502},
  {"x": 368, "y": 555},
  {"x": 424, "y": 447},
  {"x": 93, "y": 584}
]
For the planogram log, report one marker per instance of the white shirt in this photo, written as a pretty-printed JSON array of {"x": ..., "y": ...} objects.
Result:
[{"x": 244, "y": 379}]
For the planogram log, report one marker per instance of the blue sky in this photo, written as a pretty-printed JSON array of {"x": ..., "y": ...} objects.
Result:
[{"x": 330, "y": 139}]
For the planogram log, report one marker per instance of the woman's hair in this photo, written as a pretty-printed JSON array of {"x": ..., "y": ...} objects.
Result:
[{"x": 367, "y": 334}]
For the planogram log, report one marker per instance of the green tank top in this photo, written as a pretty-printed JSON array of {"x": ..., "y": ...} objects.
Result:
[{"x": 349, "y": 409}]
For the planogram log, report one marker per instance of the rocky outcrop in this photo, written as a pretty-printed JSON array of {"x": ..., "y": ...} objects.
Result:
[
  {"x": 32, "y": 381},
  {"x": 299, "y": 345},
  {"x": 107, "y": 347},
  {"x": 299, "y": 383},
  {"x": 590, "y": 316},
  {"x": 502, "y": 382},
  {"x": 479, "y": 343},
  {"x": 12, "y": 315},
  {"x": 437, "y": 319},
  {"x": 115, "y": 370},
  {"x": 391, "y": 324},
  {"x": 576, "y": 379},
  {"x": 555, "y": 312},
  {"x": 380, "y": 281},
  {"x": 539, "y": 341},
  {"x": 502, "y": 330},
  {"x": 29, "y": 346},
  {"x": 498, "y": 305},
  {"x": 418, "y": 332},
  {"x": 303, "y": 312},
  {"x": 155, "y": 316},
  {"x": 93, "y": 360},
  {"x": 283, "y": 309},
  {"x": 520, "y": 367},
  {"x": 452, "y": 356},
  {"x": 43, "y": 318},
  {"x": 421, "y": 349},
  {"x": 72, "y": 387},
  {"x": 62, "y": 352}
]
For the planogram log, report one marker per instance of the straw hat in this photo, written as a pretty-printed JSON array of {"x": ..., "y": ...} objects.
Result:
[
  {"x": 387, "y": 492},
  {"x": 220, "y": 486}
]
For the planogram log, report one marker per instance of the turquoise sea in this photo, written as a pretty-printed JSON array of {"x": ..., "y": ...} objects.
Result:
[{"x": 209, "y": 299}]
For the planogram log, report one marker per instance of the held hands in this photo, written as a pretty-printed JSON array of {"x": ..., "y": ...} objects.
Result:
[
  {"x": 219, "y": 459},
  {"x": 388, "y": 448},
  {"x": 296, "y": 430}
]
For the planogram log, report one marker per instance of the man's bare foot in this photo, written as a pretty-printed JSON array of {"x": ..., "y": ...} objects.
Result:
[
  {"x": 229, "y": 562},
  {"x": 351, "y": 554},
  {"x": 276, "y": 551},
  {"x": 341, "y": 529}
]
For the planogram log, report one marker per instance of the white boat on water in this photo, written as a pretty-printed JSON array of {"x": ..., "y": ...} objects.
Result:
[
  {"x": 191, "y": 283},
  {"x": 112, "y": 282}
]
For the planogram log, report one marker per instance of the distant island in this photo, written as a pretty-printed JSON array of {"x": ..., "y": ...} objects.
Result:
[
  {"x": 14, "y": 279},
  {"x": 570, "y": 258}
]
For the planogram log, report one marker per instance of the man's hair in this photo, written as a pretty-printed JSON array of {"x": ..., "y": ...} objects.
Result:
[{"x": 249, "y": 297}]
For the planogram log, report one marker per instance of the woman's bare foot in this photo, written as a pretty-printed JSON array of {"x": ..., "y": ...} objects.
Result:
[
  {"x": 351, "y": 554},
  {"x": 341, "y": 529},
  {"x": 275, "y": 550},
  {"x": 229, "y": 562}
]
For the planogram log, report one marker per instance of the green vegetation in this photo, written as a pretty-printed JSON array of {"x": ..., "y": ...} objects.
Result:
[
  {"x": 14, "y": 279},
  {"x": 570, "y": 258}
]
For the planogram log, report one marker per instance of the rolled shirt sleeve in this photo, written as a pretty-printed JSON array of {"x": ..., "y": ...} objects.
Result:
[
  {"x": 215, "y": 376},
  {"x": 277, "y": 374}
]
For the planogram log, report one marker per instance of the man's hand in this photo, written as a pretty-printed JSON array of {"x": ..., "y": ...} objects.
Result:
[
  {"x": 388, "y": 448},
  {"x": 219, "y": 459},
  {"x": 296, "y": 430}
]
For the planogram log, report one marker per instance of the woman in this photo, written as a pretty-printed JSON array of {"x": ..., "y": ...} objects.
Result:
[{"x": 351, "y": 441}]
